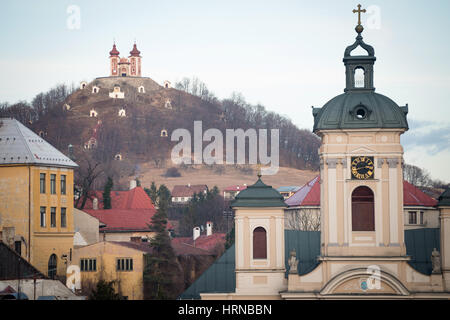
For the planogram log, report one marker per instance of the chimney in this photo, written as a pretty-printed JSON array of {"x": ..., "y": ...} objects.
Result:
[
  {"x": 196, "y": 233},
  {"x": 209, "y": 226},
  {"x": 133, "y": 184},
  {"x": 136, "y": 239},
  {"x": 95, "y": 204}
]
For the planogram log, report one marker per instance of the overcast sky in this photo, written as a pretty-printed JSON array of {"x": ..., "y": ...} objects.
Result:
[{"x": 286, "y": 55}]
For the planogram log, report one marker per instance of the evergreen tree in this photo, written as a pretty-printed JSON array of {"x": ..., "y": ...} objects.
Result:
[
  {"x": 164, "y": 195},
  {"x": 152, "y": 192},
  {"x": 104, "y": 291},
  {"x": 161, "y": 266},
  {"x": 107, "y": 194}
]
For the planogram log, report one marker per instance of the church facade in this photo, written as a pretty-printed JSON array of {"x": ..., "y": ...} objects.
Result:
[
  {"x": 125, "y": 67},
  {"x": 360, "y": 251}
]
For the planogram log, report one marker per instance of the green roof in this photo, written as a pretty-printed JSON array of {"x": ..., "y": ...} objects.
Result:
[
  {"x": 220, "y": 277},
  {"x": 444, "y": 198},
  {"x": 341, "y": 112},
  {"x": 419, "y": 245},
  {"x": 259, "y": 195}
]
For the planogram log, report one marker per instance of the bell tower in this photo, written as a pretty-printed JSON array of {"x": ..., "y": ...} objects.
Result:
[
  {"x": 114, "y": 61},
  {"x": 135, "y": 62},
  {"x": 259, "y": 232},
  {"x": 361, "y": 165}
]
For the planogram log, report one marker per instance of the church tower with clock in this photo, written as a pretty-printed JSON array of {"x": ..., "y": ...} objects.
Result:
[{"x": 361, "y": 164}]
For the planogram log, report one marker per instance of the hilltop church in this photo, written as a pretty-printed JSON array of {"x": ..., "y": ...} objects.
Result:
[{"x": 360, "y": 252}]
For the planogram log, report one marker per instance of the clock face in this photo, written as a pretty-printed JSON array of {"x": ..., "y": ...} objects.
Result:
[{"x": 362, "y": 168}]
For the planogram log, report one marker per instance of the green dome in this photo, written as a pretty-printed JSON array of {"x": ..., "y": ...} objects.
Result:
[
  {"x": 259, "y": 195},
  {"x": 360, "y": 110}
]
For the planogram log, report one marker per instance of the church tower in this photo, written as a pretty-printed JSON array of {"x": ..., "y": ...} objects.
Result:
[
  {"x": 114, "y": 61},
  {"x": 259, "y": 228},
  {"x": 361, "y": 164},
  {"x": 135, "y": 62}
]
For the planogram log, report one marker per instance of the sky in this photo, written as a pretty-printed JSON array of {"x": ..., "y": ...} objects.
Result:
[{"x": 285, "y": 55}]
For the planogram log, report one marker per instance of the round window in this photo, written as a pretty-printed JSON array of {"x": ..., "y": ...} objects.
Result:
[{"x": 361, "y": 113}]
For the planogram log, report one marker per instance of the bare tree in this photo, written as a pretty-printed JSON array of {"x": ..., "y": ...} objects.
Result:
[
  {"x": 85, "y": 177},
  {"x": 416, "y": 176},
  {"x": 305, "y": 219}
]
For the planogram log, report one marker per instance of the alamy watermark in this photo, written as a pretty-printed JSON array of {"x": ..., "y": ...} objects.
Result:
[
  {"x": 73, "y": 280},
  {"x": 213, "y": 153},
  {"x": 73, "y": 21},
  {"x": 373, "y": 282}
]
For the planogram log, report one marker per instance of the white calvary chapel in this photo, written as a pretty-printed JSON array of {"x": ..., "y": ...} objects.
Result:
[{"x": 360, "y": 252}]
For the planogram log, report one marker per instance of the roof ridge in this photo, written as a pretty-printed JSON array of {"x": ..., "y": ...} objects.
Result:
[{"x": 23, "y": 137}]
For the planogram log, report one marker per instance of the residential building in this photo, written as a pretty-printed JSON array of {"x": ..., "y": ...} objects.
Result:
[
  {"x": 130, "y": 214},
  {"x": 229, "y": 193},
  {"x": 182, "y": 194},
  {"x": 36, "y": 199}
]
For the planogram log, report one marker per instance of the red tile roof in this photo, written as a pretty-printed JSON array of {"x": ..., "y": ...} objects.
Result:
[
  {"x": 131, "y": 210},
  {"x": 188, "y": 191},
  {"x": 412, "y": 196},
  {"x": 204, "y": 242},
  {"x": 123, "y": 219},
  {"x": 135, "y": 198},
  {"x": 235, "y": 188}
]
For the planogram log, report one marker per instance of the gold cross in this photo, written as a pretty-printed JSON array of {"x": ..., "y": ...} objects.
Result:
[{"x": 359, "y": 13}]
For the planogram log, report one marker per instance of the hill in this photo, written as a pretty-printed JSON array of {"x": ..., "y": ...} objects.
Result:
[
  {"x": 131, "y": 119},
  {"x": 230, "y": 176}
]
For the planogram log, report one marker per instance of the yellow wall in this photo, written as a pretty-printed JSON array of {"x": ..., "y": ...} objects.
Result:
[
  {"x": 20, "y": 202},
  {"x": 129, "y": 283}
]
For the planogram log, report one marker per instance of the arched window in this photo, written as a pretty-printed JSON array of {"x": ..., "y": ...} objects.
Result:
[
  {"x": 52, "y": 266},
  {"x": 259, "y": 243},
  {"x": 359, "y": 77},
  {"x": 363, "y": 211}
]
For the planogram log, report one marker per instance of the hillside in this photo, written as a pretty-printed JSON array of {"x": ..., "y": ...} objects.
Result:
[
  {"x": 230, "y": 176},
  {"x": 124, "y": 123}
]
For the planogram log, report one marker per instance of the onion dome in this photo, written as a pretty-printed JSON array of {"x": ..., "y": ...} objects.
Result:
[
  {"x": 259, "y": 195},
  {"x": 360, "y": 107},
  {"x": 135, "y": 52},
  {"x": 114, "y": 51}
]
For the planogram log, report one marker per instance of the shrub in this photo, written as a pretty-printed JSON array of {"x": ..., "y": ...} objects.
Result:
[{"x": 172, "y": 173}]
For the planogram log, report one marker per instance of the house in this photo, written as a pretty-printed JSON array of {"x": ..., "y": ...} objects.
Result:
[
  {"x": 124, "y": 263},
  {"x": 36, "y": 199},
  {"x": 212, "y": 242},
  {"x": 303, "y": 211},
  {"x": 229, "y": 193},
  {"x": 183, "y": 193},
  {"x": 131, "y": 212},
  {"x": 287, "y": 191}
]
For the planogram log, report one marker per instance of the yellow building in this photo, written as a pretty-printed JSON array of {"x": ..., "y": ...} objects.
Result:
[
  {"x": 122, "y": 262},
  {"x": 36, "y": 198}
]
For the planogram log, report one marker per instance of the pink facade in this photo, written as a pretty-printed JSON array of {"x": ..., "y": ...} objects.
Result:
[{"x": 124, "y": 67}]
